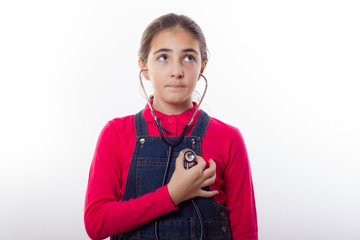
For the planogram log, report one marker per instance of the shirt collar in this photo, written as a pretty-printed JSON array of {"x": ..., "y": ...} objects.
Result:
[{"x": 183, "y": 118}]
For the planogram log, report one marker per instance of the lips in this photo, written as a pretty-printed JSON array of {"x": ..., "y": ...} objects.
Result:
[{"x": 175, "y": 86}]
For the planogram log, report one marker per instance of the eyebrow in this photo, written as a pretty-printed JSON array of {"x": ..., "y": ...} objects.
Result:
[{"x": 169, "y": 50}]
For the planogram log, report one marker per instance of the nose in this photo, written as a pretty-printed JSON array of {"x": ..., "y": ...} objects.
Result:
[{"x": 177, "y": 71}]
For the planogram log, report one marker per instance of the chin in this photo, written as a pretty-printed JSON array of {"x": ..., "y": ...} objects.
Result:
[{"x": 178, "y": 100}]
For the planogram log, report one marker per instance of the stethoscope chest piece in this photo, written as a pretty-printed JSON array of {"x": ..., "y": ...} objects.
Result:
[{"x": 189, "y": 158}]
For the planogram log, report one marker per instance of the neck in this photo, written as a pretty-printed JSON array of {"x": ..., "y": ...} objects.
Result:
[{"x": 172, "y": 109}]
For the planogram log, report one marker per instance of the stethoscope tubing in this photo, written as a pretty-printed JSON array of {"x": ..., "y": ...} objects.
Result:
[
  {"x": 172, "y": 145},
  {"x": 152, "y": 110}
]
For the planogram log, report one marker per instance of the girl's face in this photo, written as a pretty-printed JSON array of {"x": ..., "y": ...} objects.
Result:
[{"x": 174, "y": 64}]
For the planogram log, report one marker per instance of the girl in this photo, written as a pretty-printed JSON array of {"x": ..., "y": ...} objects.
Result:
[{"x": 138, "y": 186}]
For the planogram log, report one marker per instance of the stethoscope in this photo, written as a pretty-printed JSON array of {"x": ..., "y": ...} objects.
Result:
[{"x": 189, "y": 156}]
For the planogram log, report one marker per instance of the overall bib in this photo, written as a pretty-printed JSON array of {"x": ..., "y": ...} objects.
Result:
[{"x": 146, "y": 174}]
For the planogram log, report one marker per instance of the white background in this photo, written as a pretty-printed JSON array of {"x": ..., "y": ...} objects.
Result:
[{"x": 286, "y": 73}]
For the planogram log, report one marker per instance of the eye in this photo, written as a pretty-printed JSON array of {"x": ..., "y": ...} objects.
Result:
[
  {"x": 189, "y": 58},
  {"x": 162, "y": 58}
]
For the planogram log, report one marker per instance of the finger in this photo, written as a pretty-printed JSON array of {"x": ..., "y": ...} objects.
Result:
[
  {"x": 210, "y": 171},
  {"x": 207, "y": 194},
  {"x": 212, "y": 163},
  {"x": 200, "y": 162},
  {"x": 208, "y": 181}
]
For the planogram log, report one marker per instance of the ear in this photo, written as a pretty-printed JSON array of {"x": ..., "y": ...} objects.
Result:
[
  {"x": 143, "y": 66},
  {"x": 203, "y": 66}
]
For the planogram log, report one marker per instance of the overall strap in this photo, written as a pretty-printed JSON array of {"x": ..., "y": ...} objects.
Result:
[
  {"x": 140, "y": 124},
  {"x": 201, "y": 125}
]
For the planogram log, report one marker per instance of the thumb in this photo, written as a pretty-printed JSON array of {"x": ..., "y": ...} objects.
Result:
[{"x": 180, "y": 160}]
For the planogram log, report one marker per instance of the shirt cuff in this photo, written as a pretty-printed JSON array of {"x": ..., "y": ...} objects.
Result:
[{"x": 166, "y": 195}]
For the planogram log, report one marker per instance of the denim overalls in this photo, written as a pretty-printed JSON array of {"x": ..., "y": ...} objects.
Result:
[{"x": 146, "y": 174}]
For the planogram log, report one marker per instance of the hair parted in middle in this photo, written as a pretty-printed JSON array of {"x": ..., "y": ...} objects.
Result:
[{"x": 168, "y": 21}]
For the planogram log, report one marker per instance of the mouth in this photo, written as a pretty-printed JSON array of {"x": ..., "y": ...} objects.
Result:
[{"x": 175, "y": 86}]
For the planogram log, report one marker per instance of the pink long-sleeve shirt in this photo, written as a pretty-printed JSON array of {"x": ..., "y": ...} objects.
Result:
[{"x": 105, "y": 213}]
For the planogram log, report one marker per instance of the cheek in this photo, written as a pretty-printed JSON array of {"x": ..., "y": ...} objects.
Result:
[
  {"x": 155, "y": 77},
  {"x": 192, "y": 85},
  {"x": 194, "y": 78}
]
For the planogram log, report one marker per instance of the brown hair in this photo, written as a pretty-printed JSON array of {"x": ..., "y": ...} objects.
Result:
[{"x": 167, "y": 21}]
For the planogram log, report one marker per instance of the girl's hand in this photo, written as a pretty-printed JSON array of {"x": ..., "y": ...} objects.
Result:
[{"x": 187, "y": 183}]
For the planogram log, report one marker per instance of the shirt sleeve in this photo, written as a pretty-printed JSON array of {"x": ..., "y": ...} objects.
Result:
[
  {"x": 105, "y": 214},
  {"x": 238, "y": 187}
]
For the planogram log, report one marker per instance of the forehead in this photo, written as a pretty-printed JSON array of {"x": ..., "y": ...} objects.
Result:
[{"x": 174, "y": 39}]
